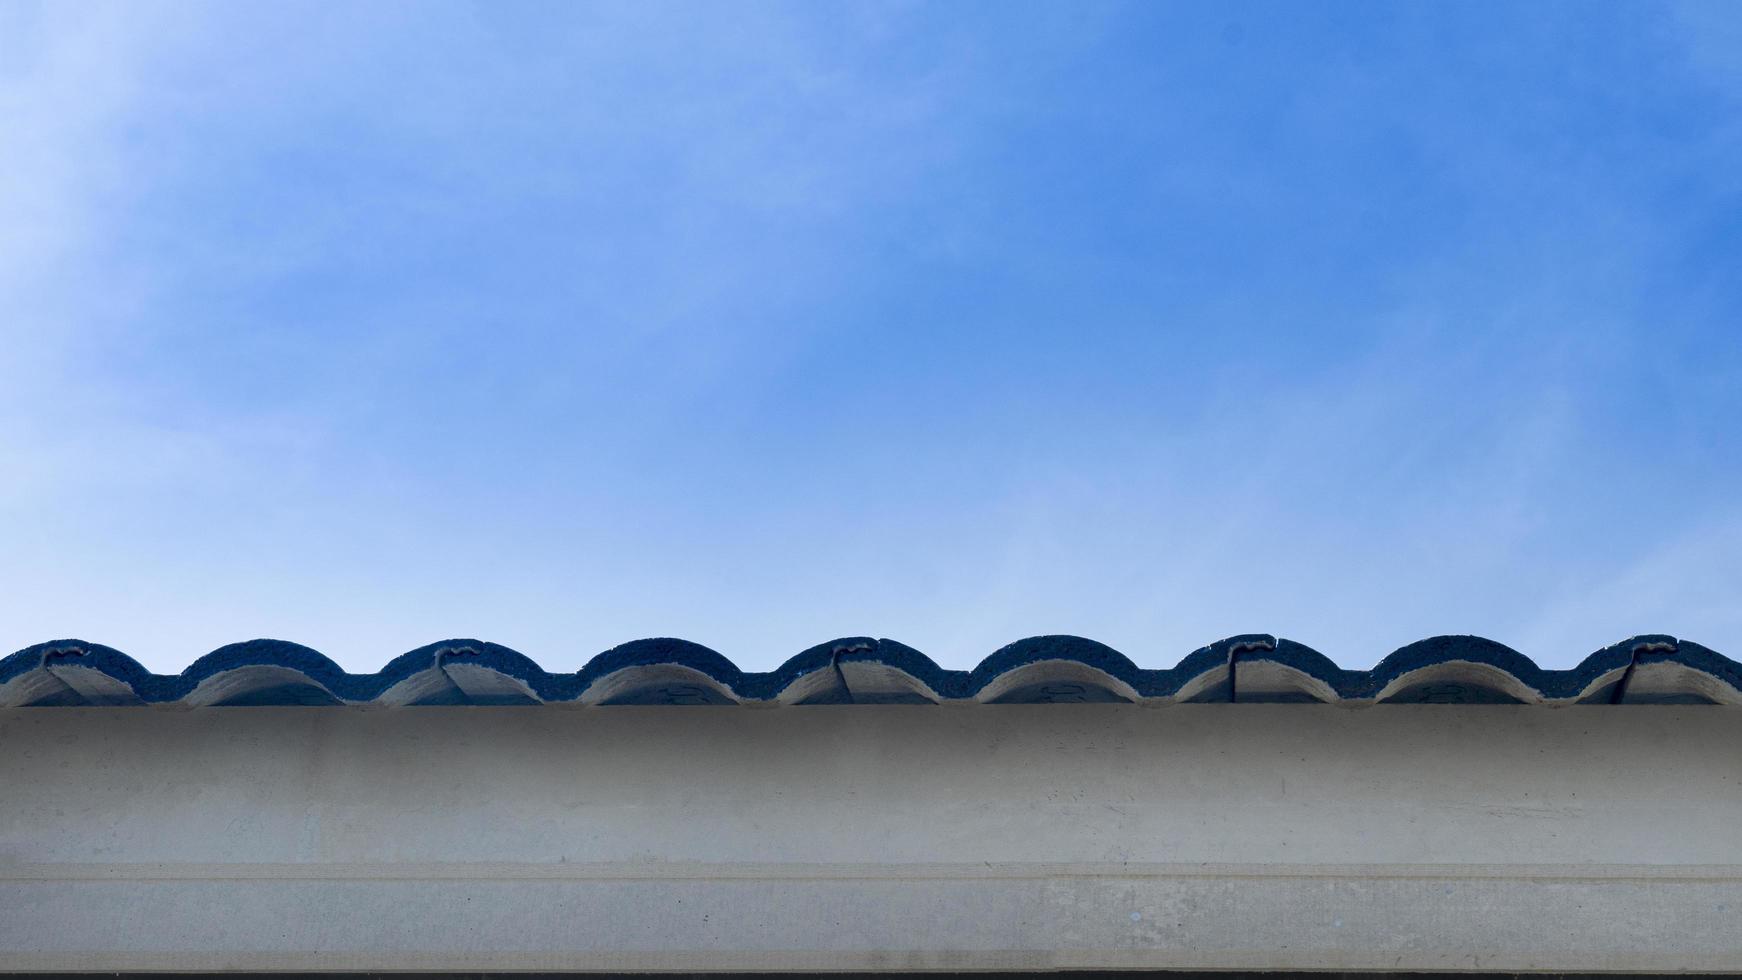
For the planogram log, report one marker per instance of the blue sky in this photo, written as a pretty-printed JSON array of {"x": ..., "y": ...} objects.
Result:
[{"x": 561, "y": 325}]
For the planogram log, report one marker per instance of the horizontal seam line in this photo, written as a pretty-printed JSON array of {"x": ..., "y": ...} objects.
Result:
[{"x": 823, "y": 873}]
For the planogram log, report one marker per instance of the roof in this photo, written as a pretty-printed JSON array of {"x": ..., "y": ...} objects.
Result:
[{"x": 1652, "y": 669}]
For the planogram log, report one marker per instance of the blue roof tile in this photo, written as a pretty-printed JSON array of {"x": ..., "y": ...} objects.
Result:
[{"x": 1042, "y": 669}]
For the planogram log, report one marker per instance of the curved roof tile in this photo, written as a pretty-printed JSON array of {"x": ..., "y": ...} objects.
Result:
[{"x": 1647, "y": 669}]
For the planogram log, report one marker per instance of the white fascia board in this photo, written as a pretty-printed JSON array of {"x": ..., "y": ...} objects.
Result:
[{"x": 1103, "y": 836}]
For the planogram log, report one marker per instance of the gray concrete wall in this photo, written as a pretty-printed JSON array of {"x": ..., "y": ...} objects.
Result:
[{"x": 974, "y": 837}]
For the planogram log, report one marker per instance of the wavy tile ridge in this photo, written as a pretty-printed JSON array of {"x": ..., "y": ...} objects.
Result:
[{"x": 1650, "y": 668}]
